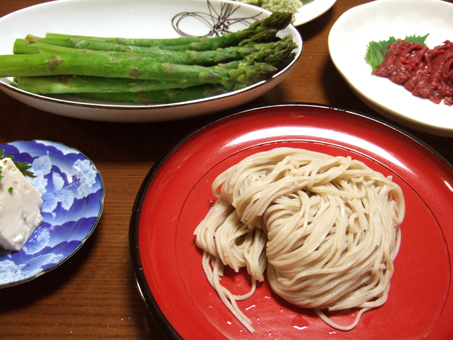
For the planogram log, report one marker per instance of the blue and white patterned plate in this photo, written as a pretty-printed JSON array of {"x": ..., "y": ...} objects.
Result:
[{"x": 73, "y": 199}]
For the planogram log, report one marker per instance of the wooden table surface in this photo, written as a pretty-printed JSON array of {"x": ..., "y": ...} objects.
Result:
[{"x": 93, "y": 295}]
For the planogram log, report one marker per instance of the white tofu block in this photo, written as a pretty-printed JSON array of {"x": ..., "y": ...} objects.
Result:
[{"x": 20, "y": 204}]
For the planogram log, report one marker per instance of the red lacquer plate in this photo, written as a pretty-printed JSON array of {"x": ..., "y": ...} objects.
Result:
[{"x": 176, "y": 195}]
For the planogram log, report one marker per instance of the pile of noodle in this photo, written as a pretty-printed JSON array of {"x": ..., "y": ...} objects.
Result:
[{"x": 324, "y": 229}]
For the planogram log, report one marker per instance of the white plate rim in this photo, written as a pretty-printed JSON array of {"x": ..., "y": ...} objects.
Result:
[{"x": 311, "y": 10}]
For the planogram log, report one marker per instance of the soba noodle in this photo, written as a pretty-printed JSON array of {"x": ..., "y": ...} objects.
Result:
[{"x": 325, "y": 229}]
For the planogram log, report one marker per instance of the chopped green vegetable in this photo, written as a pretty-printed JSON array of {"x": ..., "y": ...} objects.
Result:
[
  {"x": 290, "y": 6},
  {"x": 376, "y": 50},
  {"x": 23, "y": 167}
]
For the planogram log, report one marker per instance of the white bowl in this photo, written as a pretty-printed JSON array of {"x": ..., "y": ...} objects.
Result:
[
  {"x": 311, "y": 9},
  {"x": 378, "y": 20},
  {"x": 132, "y": 18}
]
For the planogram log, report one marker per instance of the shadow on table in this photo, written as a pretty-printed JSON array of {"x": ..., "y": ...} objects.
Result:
[{"x": 30, "y": 292}]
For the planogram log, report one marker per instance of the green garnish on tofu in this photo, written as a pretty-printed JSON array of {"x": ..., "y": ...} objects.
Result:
[{"x": 23, "y": 167}]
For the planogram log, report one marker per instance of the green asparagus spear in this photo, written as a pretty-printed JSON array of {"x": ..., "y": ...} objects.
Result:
[
  {"x": 132, "y": 77},
  {"x": 159, "y": 97},
  {"x": 276, "y": 54},
  {"x": 276, "y": 21},
  {"x": 30, "y": 65},
  {"x": 203, "y": 45},
  {"x": 205, "y": 58},
  {"x": 83, "y": 84},
  {"x": 144, "y": 42}
]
